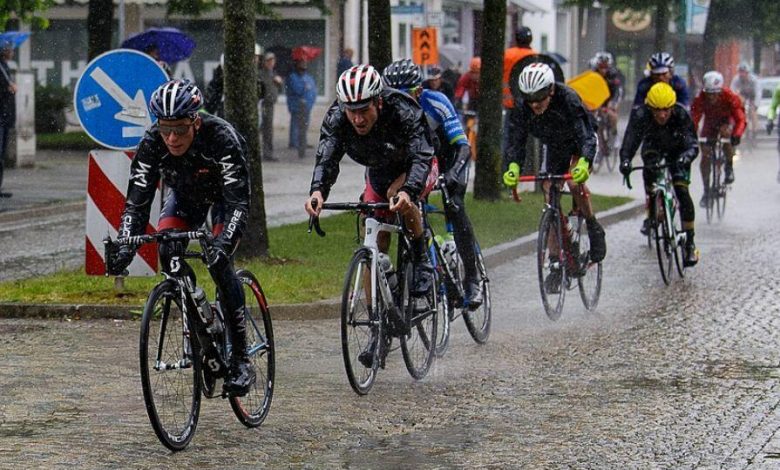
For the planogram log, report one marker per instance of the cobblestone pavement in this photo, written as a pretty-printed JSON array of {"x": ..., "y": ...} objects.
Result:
[{"x": 684, "y": 376}]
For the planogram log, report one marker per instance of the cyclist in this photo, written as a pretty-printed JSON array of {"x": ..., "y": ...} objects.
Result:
[
  {"x": 605, "y": 66},
  {"x": 385, "y": 130},
  {"x": 746, "y": 86},
  {"x": 665, "y": 130},
  {"x": 512, "y": 56},
  {"x": 201, "y": 159},
  {"x": 454, "y": 154},
  {"x": 724, "y": 117},
  {"x": 661, "y": 68},
  {"x": 467, "y": 89},
  {"x": 770, "y": 120},
  {"x": 554, "y": 113}
]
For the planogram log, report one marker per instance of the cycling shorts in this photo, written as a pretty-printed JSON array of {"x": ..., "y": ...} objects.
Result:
[
  {"x": 712, "y": 128},
  {"x": 378, "y": 193},
  {"x": 177, "y": 214}
]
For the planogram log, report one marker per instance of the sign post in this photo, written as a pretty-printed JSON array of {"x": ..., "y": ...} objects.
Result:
[
  {"x": 110, "y": 100},
  {"x": 425, "y": 47}
]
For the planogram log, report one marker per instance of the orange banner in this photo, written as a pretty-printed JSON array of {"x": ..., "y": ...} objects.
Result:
[{"x": 425, "y": 50}]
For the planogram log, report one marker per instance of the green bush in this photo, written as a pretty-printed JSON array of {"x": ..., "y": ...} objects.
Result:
[
  {"x": 66, "y": 141},
  {"x": 51, "y": 101}
]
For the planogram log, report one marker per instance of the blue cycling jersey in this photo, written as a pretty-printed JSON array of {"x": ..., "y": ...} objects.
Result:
[{"x": 443, "y": 120}]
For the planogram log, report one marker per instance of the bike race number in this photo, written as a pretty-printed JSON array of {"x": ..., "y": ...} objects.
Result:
[{"x": 112, "y": 95}]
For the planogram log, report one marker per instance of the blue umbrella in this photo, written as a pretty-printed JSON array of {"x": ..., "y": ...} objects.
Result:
[
  {"x": 13, "y": 38},
  {"x": 172, "y": 44}
]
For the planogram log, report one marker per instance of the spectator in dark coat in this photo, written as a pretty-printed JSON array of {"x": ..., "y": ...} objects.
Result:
[
  {"x": 272, "y": 84},
  {"x": 7, "y": 105}
]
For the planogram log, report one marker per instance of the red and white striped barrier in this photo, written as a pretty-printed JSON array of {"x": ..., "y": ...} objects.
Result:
[{"x": 107, "y": 179}]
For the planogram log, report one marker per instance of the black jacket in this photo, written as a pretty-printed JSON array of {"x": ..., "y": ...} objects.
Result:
[
  {"x": 398, "y": 143},
  {"x": 675, "y": 138},
  {"x": 565, "y": 127},
  {"x": 214, "y": 169}
]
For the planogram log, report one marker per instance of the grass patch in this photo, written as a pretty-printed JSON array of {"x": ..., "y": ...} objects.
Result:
[
  {"x": 65, "y": 141},
  {"x": 304, "y": 267}
]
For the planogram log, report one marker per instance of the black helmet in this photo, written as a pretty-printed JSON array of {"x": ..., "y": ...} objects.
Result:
[
  {"x": 523, "y": 36},
  {"x": 402, "y": 74},
  {"x": 176, "y": 99}
]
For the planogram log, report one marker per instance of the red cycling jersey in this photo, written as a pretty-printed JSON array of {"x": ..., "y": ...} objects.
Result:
[{"x": 726, "y": 109}]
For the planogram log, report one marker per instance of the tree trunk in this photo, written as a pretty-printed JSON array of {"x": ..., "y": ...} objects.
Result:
[
  {"x": 661, "y": 24},
  {"x": 380, "y": 48},
  {"x": 241, "y": 110},
  {"x": 488, "y": 167},
  {"x": 758, "y": 43},
  {"x": 99, "y": 16},
  {"x": 711, "y": 35}
]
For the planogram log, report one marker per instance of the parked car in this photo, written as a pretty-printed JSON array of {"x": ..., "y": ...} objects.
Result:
[{"x": 767, "y": 87}]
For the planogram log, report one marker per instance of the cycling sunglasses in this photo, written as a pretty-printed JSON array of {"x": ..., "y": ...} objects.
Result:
[
  {"x": 410, "y": 91},
  {"x": 176, "y": 130},
  {"x": 657, "y": 110},
  {"x": 536, "y": 96}
]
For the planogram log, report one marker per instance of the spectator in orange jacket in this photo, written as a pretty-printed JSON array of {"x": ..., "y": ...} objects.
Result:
[{"x": 513, "y": 55}]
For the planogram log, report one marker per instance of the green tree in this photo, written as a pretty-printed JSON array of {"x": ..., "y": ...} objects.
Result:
[
  {"x": 241, "y": 110},
  {"x": 379, "y": 34},
  {"x": 25, "y": 11},
  {"x": 487, "y": 176}
]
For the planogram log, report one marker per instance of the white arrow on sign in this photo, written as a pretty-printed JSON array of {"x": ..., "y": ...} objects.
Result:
[{"x": 133, "y": 110}]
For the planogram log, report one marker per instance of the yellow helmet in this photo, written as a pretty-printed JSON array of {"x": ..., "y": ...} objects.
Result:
[{"x": 661, "y": 96}]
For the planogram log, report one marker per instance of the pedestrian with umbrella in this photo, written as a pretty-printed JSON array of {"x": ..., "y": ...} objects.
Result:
[{"x": 166, "y": 45}]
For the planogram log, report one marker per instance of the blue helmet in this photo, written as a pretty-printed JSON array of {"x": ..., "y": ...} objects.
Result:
[{"x": 176, "y": 99}]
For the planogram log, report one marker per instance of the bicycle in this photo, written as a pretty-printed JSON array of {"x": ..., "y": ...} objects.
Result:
[
  {"x": 178, "y": 367},
  {"x": 376, "y": 304},
  {"x": 665, "y": 230},
  {"x": 718, "y": 189},
  {"x": 449, "y": 287},
  {"x": 563, "y": 251},
  {"x": 751, "y": 116},
  {"x": 607, "y": 151}
]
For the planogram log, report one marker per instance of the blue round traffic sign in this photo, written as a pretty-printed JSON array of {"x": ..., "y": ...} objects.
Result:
[{"x": 112, "y": 96}]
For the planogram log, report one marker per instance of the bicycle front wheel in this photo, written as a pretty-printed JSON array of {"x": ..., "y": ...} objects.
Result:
[
  {"x": 714, "y": 188},
  {"x": 418, "y": 346},
  {"x": 361, "y": 327},
  {"x": 589, "y": 281},
  {"x": 252, "y": 408},
  {"x": 553, "y": 278},
  {"x": 663, "y": 238},
  {"x": 170, "y": 368},
  {"x": 478, "y": 321}
]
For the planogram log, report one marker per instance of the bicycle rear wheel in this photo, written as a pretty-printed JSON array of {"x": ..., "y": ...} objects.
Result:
[
  {"x": 663, "y": 236},
  {"x": 170, "y": 368},
  {"x": 478, "y": 321},
  {"x": 722, "y": 189},
  {"x": 714, "y": 188},
  {"x": 252, "y": 408},
  {"x": 550, "y": 265},
  {"x": 589, "y": 282},
  {"x": 361, "y": 327},
  {"x": 443, "y": 325},
  {"x": 418, "y": 346}
]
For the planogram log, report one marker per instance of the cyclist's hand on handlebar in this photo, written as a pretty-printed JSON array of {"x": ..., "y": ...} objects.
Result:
[
  {"x": 686, "y": 158},
  {"x": 313, "y": 204},
  {"x": 510, "y": 176},
  {"x": 736, "y": 139},
  {"x": 121, "y": 261},
  {"x": 580, "y": 173},
  {"x": 401, "y": 202},
  {"x": 625, "y": 167}
]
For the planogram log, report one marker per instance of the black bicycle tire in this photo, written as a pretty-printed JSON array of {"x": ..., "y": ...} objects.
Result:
[
  {"x": 418, "y": 370},
  {"x": 255, "y": 417},
  {"x": 443, "y": 325},
  {"x": 589, "y": 303},
  {"x": 482, "y": 333},
  {"x": 362, "y": 255},
  {"x": 678, "y": 249},
  {"x": 661, "y": 240},
  {"x": 172, "y": 441},
  {"x": 549, "y": 221}
]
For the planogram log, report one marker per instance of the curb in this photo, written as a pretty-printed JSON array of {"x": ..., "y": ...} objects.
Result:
[{"x": 330, "y": 308}]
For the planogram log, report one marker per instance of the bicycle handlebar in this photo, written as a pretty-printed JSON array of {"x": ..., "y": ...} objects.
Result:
[
  {"x": 627, "y": 178},
  {"x": 111, "y": 247},
  {"x": 535, "y": 178},
  {"x": 314, "y": 220}
]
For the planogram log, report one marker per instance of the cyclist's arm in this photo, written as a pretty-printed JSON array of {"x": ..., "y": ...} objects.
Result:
[
  {"x": 641, "y": 92},
  {"x": 775, "y": 103},
  {"x": 144, "y": 175},
  {"x": 587, "y": 141},
  {"x": 235, "y": 190},
  {"x": 681, "y": 89},
  {"x": 330, "y": 151},
  {"x": 738, "y": 113},
  {"x": 516, "y": 137},
  {"x": 413, "y": 128},
  {"x": 635, "y": 132},
  {"x": 690, "y": 139},
  {"x": 696, "y": 109}
]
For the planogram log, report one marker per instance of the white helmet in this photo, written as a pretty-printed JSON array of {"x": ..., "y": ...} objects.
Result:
[
  {"x": 535, "y": 81},
  {"x": 358, "y": 85},
  {"x": 713, "y": 82}
]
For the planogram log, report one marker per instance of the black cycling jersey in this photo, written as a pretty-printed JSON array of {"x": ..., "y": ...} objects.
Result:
[
  {"x": 565, "y": 127},
  {"x": 214, "y": 169},
  {"x": 675, "y": 138},
  {"x": 398, "y": 143}
]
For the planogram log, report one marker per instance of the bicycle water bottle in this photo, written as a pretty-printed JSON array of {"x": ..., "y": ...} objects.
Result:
[
  {"x": 387, "y": 268},
  {"x": 204, "y": 307}
]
